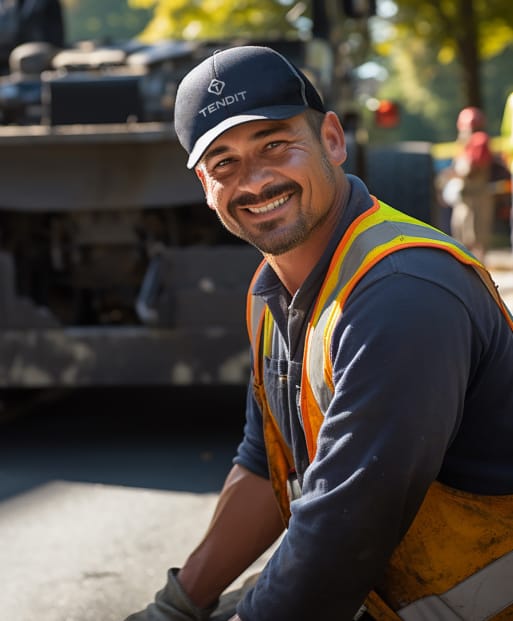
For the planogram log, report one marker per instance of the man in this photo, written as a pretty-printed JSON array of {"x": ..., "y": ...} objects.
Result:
[
  {"x": 381, "y": 406},
  {"x": 473, "y": 211}
]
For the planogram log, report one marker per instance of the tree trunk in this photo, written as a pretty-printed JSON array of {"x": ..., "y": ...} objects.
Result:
[{"x": 467, "y": 42}]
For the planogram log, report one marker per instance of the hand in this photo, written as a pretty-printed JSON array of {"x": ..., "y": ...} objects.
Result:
[{"x": 172, "y": 604}]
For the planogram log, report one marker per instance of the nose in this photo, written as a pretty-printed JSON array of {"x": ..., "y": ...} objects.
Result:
[{"x": 254, "y": 176}]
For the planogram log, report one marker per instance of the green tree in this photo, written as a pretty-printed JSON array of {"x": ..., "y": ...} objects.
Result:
[
  {"x": 220, "y": 19},
  {"x": 465, "y": 31},
  {"x": 425, "y": 48},
  {"x": 103, "y": 20}
]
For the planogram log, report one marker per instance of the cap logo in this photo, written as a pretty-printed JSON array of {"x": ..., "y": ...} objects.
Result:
[{"x": 216, "y": 87}]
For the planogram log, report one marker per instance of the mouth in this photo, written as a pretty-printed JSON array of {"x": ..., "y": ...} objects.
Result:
[{"x": 267, "y": 208}]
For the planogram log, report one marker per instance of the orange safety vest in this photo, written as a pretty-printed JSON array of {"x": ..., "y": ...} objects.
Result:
[{"x": 455, "y": 563}]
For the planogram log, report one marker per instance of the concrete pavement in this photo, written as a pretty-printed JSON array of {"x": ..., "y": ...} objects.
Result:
[
  {"x": 85, "y": 552},
  {"x": 100, "y": 495},
  {"x": 83, "y": 538}
]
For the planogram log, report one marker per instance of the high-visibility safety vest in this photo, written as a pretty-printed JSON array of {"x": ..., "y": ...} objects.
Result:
[{"x": 455, "y": 563}]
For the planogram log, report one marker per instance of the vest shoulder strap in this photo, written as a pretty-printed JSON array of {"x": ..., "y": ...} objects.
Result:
[{"x": 378, "y": 232}]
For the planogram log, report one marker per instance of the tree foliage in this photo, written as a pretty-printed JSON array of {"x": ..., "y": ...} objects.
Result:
[
  {"x": 465, "y": 31},
  {"x": 103, "y": 20},
  {"x": 438, "y": 62},
  {"x": 218, "y": 19}
]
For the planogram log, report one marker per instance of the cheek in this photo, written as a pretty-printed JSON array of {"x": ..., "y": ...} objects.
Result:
[
  {"x": 211, "y": 195},
  {"x": 216, "y": 197}
]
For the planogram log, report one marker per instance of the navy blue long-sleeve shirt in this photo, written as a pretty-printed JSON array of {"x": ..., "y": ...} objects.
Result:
[{"x": 423, "y": 373}]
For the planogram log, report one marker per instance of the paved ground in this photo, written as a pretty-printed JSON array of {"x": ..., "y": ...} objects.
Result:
[
  {"x": 96, "y": 504},
  {"x": 86, "y": 552},
  {"x": 94, "y": 508},
  {"x": 500, "y": 264}
]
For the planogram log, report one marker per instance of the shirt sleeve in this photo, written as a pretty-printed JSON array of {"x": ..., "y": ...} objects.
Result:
[
  {"x": 251, "y": 451},
  {"x": 477, "y": 150},
  {"x": 401, "y": 359}
]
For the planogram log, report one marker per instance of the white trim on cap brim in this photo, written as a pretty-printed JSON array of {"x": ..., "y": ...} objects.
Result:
[{"x": 276, "y": 113}]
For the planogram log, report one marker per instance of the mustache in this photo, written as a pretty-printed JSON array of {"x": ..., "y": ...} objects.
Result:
[{"x": 247, "y": 199}]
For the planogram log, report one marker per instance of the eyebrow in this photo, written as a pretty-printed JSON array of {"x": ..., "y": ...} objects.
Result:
[{"x": 257, "y": 135}]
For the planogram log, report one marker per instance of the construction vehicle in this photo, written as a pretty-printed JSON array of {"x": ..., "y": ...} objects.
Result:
[{"x": 112, "y": 270}]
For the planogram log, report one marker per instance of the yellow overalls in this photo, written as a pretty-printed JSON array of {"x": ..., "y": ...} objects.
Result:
[{"x": 455, "y": 563}]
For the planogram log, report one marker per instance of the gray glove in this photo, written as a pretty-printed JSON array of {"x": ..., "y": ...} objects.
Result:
[{"x": 172, "y": 604}]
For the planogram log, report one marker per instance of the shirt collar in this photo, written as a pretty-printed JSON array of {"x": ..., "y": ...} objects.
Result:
[{"x": 268, "y": 284}]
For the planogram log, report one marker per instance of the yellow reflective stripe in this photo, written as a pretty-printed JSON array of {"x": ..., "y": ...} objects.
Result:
[
  {"x": 360, "y": 224},
  {"x": 268, "y": 332},
  {"x": 363, "y": 222},
  {"x": 378, "y": 213},
  {"x": 481, "y": 596},
  {"x": 375, "y": 255},
  {"x": 398, "y": 243},
  {"x": 403, "y": 241}
]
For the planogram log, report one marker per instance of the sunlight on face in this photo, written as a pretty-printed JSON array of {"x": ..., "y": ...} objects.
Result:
[{"x": 271, "y": 183}]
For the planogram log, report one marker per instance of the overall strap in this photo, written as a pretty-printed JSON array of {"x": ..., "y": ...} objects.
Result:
[{"x": 260, "y": 324}]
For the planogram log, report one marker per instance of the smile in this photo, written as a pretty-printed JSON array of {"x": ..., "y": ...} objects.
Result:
[{"x": 270, "y": 206}]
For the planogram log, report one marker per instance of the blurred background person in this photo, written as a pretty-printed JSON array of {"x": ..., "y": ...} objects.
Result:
[{"x": 472, "y": 199}]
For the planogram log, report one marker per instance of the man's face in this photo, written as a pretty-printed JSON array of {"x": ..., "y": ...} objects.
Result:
[{"x": 272, "y": 183}]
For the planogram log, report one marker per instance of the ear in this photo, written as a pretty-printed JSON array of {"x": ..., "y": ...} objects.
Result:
[
  {"x": 333, "y": 139},
  {"x": 201, "y": 176}
]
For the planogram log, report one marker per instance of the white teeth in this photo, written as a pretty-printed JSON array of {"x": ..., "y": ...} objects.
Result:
[{"x": 269, "y": 206}]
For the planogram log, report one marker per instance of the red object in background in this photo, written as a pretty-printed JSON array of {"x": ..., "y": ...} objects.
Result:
[
  {"x": 477, "y": 150},
  {"x": 387, "y": 114}
]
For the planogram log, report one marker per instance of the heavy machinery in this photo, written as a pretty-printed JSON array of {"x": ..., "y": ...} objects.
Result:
[{"x": 112, "y": 270}]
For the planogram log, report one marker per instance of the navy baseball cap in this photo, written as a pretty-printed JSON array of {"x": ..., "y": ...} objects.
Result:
[{"x": 235, "y": 86}]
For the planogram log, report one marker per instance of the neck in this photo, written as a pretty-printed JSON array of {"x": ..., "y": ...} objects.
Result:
[{"x": 293, "y": 267}]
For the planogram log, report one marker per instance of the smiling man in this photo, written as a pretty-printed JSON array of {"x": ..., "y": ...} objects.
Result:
[{"x": 379, "y": 415}]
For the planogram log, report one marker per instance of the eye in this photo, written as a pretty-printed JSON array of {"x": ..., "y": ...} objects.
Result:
[
  {"x": 222, "y": 163},
  {"x": 274, "y": 144}
]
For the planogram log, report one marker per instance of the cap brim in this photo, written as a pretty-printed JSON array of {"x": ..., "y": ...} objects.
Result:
[{"x": 276, "y": 113}]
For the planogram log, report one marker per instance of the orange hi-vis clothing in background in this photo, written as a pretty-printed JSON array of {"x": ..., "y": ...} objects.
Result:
[{"x": 456, "y": 560}]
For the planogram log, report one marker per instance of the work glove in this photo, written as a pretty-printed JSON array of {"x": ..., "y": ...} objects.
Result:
[
  {"x": 172, "y": 604},
  {"x": 227, "y": 605}
]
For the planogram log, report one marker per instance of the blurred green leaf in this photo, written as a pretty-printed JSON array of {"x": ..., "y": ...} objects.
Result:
[{"x": 219, "y": 19}]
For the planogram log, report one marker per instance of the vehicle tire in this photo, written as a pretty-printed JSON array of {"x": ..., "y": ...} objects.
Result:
[{"x": 402, "y": 175}]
